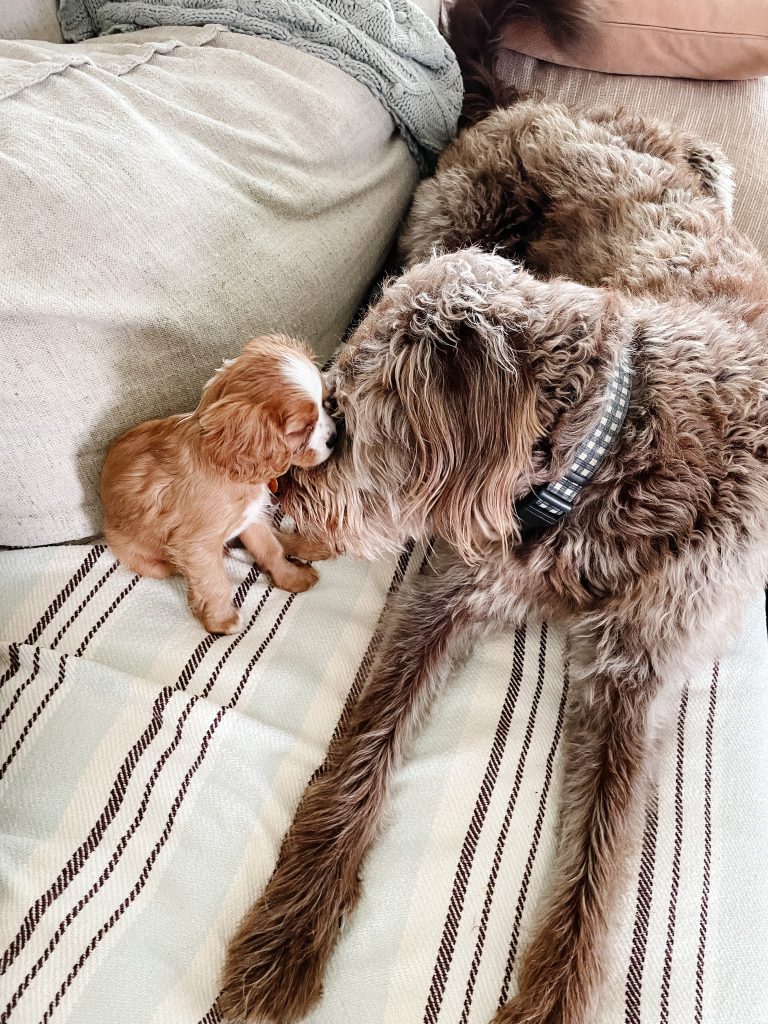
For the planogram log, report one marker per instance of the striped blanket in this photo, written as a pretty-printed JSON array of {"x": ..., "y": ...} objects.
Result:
[{"x": 148, "y": 773}]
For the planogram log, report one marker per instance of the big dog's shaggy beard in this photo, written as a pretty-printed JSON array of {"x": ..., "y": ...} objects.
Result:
[{"x": 466, "y": 385}]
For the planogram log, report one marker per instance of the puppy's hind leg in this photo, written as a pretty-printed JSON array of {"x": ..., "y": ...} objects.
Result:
[
  {"x": 209, "y": 589},
  {"x": 135, "y": 558},
  {"x": 277, "y": 958},
  {"x": 604, "y": 767},
  {"x": 147, "y": 565}
]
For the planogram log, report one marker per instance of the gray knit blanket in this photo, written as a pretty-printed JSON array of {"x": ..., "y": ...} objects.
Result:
[{"x": 390, "y": 46}]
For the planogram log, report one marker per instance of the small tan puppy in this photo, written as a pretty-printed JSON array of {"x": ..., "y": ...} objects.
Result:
[{"x": 175, "y": 490}]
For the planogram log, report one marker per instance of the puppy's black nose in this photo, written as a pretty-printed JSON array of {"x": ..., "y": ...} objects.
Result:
[{"x": 332, "y": 439}]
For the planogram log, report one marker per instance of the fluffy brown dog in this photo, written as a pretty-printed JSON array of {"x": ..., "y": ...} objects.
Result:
[
  {"x": 175, "y": 490},
  {"x": 669, "y": 537},
  {"x": 472, "y": 382}
]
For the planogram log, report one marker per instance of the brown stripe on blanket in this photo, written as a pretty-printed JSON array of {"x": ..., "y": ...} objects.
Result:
[
  {"x": 367, "y": 660},
  {"x": 502, "y": 839},
  {"x": 672, "y": 914},
  {"x": 137, "y": 820},
  {"x": 472, "y": 836},
  {"x": 699, "y": 1003},
  {"x": 13, "y": 664},
  {"x": 91, "y": 633},
  {"x": 54, "y": 643},
  {"x": 537, "y": 829},
  {"x": 53, "y": 608},
  {"x": 86, "y": 600},
  {"x": 35, "y": 715},
  {"x": 105, "y": 615},
  {"x": 120, "y": 785},
  {"x": 58, "y": 602},
  {"x": 150, "y": 861},
  {"x": 248, "y": 580},
  {"x": 199, "y": 653},
  {"x": 20, "y": 689},
  {"x": 643, "y": 903}
]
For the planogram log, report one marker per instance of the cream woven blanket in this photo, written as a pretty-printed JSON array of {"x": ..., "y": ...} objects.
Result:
[{"x": 148, "y": 773}]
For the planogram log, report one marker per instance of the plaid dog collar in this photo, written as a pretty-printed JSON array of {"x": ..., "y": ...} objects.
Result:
[{"x": 546, "y": 505}]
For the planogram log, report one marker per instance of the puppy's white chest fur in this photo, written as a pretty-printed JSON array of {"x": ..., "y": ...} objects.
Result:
[{"x": 255, "y": 510}]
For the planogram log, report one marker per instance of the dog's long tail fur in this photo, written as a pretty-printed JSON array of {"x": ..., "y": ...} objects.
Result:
[
  {"x": 474, "y": 31},
  {"x": 278, "y": 957}
]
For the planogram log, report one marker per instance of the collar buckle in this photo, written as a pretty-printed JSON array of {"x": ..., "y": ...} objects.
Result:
[{"x": 542, "y": 507}]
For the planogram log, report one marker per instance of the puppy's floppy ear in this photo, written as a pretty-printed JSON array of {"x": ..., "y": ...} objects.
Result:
[{"x": 242, "y": 440}]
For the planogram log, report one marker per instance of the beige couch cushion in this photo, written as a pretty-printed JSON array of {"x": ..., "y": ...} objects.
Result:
[
  {"x": 29, "y": 19},
  {"x": 174, "y": 192},
  {"x": 732, "y": 114}
]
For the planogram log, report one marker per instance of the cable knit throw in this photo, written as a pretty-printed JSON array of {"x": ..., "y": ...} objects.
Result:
[{"x": 390, "y": 46}]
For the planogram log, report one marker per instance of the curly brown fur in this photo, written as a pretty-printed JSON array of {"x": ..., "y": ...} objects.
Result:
[
  {"x": 672, "y": 531},
  {"x": 278, "y": 956},
  {"x": 472, "y": 381},
  {"x": 605, "y": 199}
]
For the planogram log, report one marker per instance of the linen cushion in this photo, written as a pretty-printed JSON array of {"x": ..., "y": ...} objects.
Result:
[
  {"x": 218, "y": 186},
  {"x": 29, "y": 19},
  {"x": 716, "y": 39}
]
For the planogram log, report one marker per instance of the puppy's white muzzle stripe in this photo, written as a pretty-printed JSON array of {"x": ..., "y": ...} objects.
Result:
[{"x": 305, "y": 375}]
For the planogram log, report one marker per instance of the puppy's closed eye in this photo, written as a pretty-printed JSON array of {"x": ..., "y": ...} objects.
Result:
[{"x": 298, "y": 430}]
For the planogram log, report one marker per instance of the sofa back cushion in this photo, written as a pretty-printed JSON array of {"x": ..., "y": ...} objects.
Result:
[
  {"x": 220, "y": 186},
  {"x": 30, "y": 19},
  {"x": 716, "y": 39}
]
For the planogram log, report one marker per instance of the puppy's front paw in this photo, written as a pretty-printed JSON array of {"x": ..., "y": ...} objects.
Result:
[
  {"x": 295, "y": 578},
  {"x": 302, "y": 547},
  {"x": 219, "y": 620}
]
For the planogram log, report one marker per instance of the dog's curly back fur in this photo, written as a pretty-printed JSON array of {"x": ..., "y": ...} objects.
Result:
[{"x": 658, "y": 219}]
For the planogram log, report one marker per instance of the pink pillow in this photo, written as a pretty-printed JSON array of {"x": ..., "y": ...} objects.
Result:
[{"x": 715, "y": 39}]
